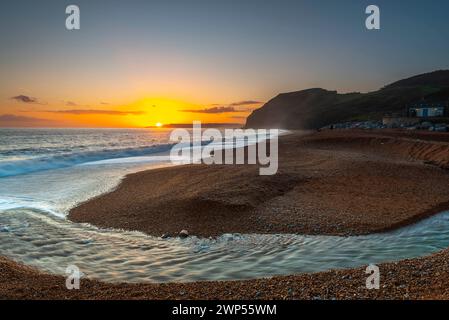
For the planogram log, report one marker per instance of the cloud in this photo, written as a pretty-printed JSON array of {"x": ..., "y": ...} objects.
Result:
[
  {"x": 244, "y": 103},
  {"x": 213, "y": 110},
  {"x": 12, "y": 117},
  {"x": 238, "y": 117},
  {"x": 232, "y": 107},
  {"x": 24, "y": 99},
  {"x": 75, "y": 104},
  {"x": 10, "y": 120},
  {"x": 94, "y": 111}
]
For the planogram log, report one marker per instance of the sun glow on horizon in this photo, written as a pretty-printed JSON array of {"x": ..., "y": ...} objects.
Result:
[{"x": 158, "y": 111}]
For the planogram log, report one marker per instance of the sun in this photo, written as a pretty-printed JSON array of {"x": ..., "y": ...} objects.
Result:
[{"x": 158, "y": 124}]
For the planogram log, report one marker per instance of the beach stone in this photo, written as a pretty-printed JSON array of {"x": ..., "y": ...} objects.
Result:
[
  {"x": 183, "y": 234},
  {"x": 86, "y": 241},
  {"x": 228, "y": 237}
]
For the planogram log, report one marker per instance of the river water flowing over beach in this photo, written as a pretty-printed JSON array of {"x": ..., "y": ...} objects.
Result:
[{"x": 44, "y": 173}]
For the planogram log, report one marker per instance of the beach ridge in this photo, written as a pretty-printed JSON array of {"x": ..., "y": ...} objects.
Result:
[{"x": 328, "y": 183}]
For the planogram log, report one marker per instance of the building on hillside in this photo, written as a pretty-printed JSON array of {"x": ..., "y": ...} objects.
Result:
[
  {"x": 417, "y": 113},
  {"x": 427, "y": 110}
]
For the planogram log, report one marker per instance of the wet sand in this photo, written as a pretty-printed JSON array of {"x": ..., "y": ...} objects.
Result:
[{"x": 336, "y": 182}]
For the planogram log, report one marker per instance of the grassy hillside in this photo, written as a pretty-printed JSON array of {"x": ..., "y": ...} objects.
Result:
[{"x": 314, "y": 108}]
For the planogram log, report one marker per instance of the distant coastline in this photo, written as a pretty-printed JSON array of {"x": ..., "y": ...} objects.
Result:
[{"x": 203, "y": 125}]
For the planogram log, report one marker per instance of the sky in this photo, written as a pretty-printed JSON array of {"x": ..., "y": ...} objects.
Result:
[{"x": 137, "y": 63}]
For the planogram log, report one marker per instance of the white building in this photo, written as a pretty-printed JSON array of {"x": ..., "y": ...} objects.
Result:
[{"x": 425, "y": 110}]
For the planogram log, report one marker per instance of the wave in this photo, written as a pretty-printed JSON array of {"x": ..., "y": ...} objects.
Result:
[
  {"x": 11, "y": 203},
  {"x": 19, "y": 167}
]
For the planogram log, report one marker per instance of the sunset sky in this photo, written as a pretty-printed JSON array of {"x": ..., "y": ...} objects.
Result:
[{"x": 137, "y": 63}]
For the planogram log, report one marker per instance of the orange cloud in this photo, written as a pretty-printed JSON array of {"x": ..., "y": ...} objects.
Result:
[
  {"x": 99, "y": 112},
  {"x": 213, "y": 110}
]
